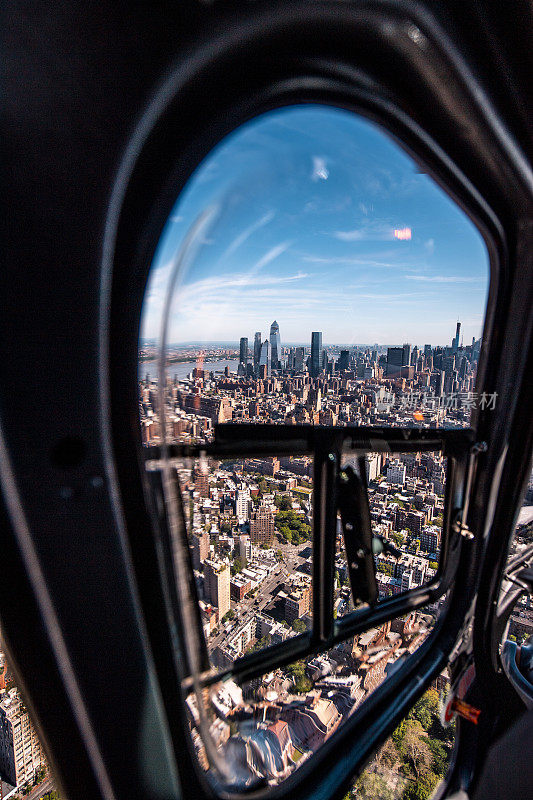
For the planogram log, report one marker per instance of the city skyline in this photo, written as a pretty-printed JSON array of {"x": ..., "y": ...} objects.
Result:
[
  {"x": 306, "y": 343},
  {"x": 317, "y": 219}
]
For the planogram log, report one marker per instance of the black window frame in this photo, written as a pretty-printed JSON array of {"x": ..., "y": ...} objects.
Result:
[{"x": 321, "y": 81}]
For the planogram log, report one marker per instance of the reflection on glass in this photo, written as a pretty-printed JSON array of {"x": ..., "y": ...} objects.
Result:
[
  {"x": 269, "y": 726},
  {"x": 406, "y": 499},
  {"x": 249, "y": 532}
]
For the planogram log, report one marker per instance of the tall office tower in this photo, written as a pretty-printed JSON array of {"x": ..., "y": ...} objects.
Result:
[
  {"x": 265, "y": 359},
  {"x": 216, "y": 585},
  {"x": 448, "y": 365},
  {"x": 243, "y": 351},
  {"x": 406, "y": 355},
  {"x": 414, "y": 355},
  {"x": 299, "y": 359},
  {"x": 394, "y": 361},
  {"x": 199, "y": 547},
  {"x": 316, "y": 352},
  {"x": 275, "y": 345},
  {"x": 21, "y": 754},
  {"x": 455, "y": 342},
  {"x": 344, "y": 360},
  {"x": 437, "y": 382},
  {"x": 427, "y": 350},
  {"x": 257, "y": 351},
  {"x": 290, "y": 358}
]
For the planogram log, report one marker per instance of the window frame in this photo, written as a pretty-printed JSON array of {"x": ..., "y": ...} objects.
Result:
[{"x": 327, "y": 85}]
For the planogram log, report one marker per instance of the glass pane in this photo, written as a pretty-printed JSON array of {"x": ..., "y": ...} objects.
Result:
[
  {"x": 310, "y": 272},
  {"x": 314, "y": 273},
  {"x": 248, "y": 524},
  {"x": 416, "y": 758},
  {"x": 406, "y": 500},
  {"x": 268, "y": 727}
]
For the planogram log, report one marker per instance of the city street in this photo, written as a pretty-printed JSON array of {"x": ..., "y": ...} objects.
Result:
[{"x": 291, "y": 561}]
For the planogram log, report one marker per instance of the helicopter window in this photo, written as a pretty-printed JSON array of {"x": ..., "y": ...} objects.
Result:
[
  {"x": 313, "y": 273},
  {"x": 306, "y": 480},
  {"x": 406, "y": 505},
  {"x": 268, "y": 727}
]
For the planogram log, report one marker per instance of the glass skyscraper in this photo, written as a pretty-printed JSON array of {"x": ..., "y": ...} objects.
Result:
[
  {"x": 266, "y": 357},
  {"x": 243, "y": 351},
  {"x": 275, "y": 345},
  {"x": 257, "y": 351},
  {"x": 316, "y": 352}
]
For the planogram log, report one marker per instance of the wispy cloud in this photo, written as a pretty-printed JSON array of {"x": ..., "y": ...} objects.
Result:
[
  {"x": 370, "y": 232},
  {"x": 443, "y": 279},
  {"x": 247, "y": 232},
  {"x": 356, "y": 261},
  {"x": 273, "y": 253}
]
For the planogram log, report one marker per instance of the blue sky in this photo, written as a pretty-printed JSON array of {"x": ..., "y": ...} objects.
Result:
[{"x": 300, "y": 207}]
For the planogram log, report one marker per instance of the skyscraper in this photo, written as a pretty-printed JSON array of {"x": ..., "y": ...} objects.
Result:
[
  {"x": 275, "y": 344},
  {"x": 455, "y": 342},
  {"x": 299, "y": 359},
  {"x": 344, "y": 360},
  {"x": 316, "y": 352},
  {"x": 395, "y": 357},
  {"x": 257, "y": 351},
  {"x": 406, "y": 355},
  {"x": 265, "y": 359},
  {"x": 243, "y": 351}
]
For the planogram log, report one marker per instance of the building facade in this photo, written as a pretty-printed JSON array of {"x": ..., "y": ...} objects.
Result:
[
  {"x": 21, "y": 753},
  {"x": 217, "y": 585}
]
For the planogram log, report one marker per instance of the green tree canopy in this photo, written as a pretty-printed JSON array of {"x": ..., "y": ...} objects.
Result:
[{"x": 371, "y": 786}]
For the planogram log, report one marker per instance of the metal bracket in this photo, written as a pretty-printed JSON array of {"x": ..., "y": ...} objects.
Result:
[{"x": 460, "y": 524}]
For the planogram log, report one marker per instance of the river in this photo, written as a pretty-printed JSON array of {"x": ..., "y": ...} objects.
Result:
[{"x": 183, "y": 368}]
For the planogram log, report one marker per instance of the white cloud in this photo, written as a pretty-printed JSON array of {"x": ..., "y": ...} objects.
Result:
[{"x": 320, "y": 172}]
